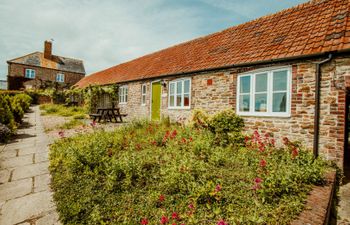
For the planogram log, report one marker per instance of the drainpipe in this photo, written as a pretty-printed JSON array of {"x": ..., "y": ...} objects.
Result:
[{"x": 317, "y": 104}]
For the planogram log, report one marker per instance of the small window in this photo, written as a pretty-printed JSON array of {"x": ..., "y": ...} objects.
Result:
[
  {"x": 264, "y": 93},
  {"x": 143, "y": 94},
  {"x": 123, "y": 94},
  {"x": 180, "y": 94},
  {"x": 29, "y": 73},
  {"x": 60, "y": 77}
]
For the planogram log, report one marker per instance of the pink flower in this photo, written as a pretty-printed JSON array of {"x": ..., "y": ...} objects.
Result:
[
  {"x": 263, "y": 163},
  {"x": 221, "y": 222},
  {"x": 258, "y": 180},
  {"x": 273, "y": 142},
  {"x": 61, "y": 134},
  {"x": 218, "y": 188},
  {"x": 164, "y": 220},
  {"x": 144, "y": 221},
  {"x": 173, "y": 134},
  {"x": 161, "y": 198},
  {"x": 191, "y": 206},
  {"x": 174, "y": 216}
]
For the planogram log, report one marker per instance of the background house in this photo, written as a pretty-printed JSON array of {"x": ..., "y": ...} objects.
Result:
[
  {"x": 40, "y": 70},
  {"x": 287, "y": 74}
]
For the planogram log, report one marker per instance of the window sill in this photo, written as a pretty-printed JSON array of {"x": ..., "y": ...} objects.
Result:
[
  {"x": 122, "y": 103},
  {"x": 265, "y": 115},
  {"x": 179, "y": 108}
]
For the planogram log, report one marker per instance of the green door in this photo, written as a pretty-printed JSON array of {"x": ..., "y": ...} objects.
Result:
[{"x": 156, "y": 92}]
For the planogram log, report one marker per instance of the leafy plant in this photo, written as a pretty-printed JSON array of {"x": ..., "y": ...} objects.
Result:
[{"x": 5, "y": 133}]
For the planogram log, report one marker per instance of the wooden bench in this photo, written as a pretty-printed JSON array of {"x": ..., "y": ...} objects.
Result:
[{"x": 95, "y": 116}]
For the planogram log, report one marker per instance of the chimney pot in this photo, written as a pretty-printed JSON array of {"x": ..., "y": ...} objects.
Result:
[{"x": 48, "y": 50}]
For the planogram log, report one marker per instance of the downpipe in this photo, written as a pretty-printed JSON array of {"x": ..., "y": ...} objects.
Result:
[{"x": 317, "y": 104}]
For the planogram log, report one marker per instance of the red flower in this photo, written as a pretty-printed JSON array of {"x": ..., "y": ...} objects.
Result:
[
  {"x": 258, "y": 180},
  {"x": 295, "y": 152},
  {"x": 174, "y": 216},
  {"x": 173, "y": 224},
  {"x": 273, "y": 142},
  {"x": 173, "y": 134},
  {"x": 93, "y": 123},
  {"x": 218, "y": 188},
  {"x": 263, "y": 163},
  {"x": 221, "y": 222},
  {"x": 191, "y": 206},
  {"x": 164, "y": 220},
  {"x": 144, "y": 221},
  {"x": 183, "y": 140},
  {"x": 61, "y": 134},
  {"x": 161, "y": 198},
  {"x": 153, "y": 142},
  {"x": 138, "y": 146},
  {"x": 285, "y": 141},
  {"x": 191, "y": 139},
  {"x": 261, "y": 147}
]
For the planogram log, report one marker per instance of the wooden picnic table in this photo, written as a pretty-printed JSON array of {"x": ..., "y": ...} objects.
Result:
[{"x": 108, "y": 114}]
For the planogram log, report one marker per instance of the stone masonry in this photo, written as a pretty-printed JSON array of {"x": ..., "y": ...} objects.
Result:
[
  {"x": 214, "y": 91},
  {"x": 25, "y": 196}
]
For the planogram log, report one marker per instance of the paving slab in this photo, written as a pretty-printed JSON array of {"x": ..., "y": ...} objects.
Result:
[
  {"x": 41, "y": 183},
  {"x": 17, "y": 161},
  {"x": 4, "y": 176},
  {"x": 41, "y": 157},
  {"x": 28, "y": 207},
  {"x": 30, "y": 171},
  {"x": 49, "y": 219},
  {"x": 16, "y": 189}
]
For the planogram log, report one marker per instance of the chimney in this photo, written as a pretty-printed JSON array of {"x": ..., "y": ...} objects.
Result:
[{"x": 48, "y": 50}]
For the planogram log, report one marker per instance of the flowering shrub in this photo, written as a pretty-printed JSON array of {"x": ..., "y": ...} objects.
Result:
[
  {"x": 156, "y": 173},
  {"x": 5, "y": 133}
]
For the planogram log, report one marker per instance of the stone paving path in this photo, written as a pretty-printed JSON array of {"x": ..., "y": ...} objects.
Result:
[
  {"x": 25, "y": 196},
  {"x": 344, "y": 203}
]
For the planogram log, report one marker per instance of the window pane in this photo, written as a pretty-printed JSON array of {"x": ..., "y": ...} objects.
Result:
[
  {"x": 186, "y": 99},
  {"x": 245, "y": 84},
  {"x": 172, "y": 99},
  {"x": 178, "y": 100},
  {"x": 187, "y": 86},
  {"x": 261, "y": 82},
  {"x": 279, "y": 102},
  {"x": 172, "y": 88},
  {"x": 280, "y": 81},
  {"x": 244, "y": 103},
  {"x": 260, "y": 103},
  {"x": 179, "y": 87},
  {"x": 143, "y": 89},
  {"x": 144, "y": 99}
]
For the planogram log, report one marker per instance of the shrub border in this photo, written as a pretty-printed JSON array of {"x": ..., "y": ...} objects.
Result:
[{"x": 318, "y": 204}]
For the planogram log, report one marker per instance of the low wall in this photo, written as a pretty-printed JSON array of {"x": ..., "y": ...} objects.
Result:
[{"x": 318, "y": 206}]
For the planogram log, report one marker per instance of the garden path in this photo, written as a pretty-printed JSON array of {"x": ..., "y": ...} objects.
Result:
[
  {"x": 25, "y": 196},
  {"x": 344, "y": 203}
]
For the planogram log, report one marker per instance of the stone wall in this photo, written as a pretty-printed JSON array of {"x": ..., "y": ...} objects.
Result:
[
  {"x": 16, "y": 71},
  {"x": 215, "y": 91}
]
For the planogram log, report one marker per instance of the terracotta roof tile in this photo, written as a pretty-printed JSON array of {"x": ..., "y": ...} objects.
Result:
[{"x": 314, "y": 27}]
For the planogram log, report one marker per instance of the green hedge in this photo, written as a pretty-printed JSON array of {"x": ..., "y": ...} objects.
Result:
[
  {"x": 13, "y": 105},
  {"x": 168, "y": 173}
]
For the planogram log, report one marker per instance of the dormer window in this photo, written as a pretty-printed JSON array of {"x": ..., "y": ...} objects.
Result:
[{"x": 29, "y": 73}]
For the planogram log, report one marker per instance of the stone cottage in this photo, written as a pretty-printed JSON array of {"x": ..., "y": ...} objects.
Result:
[
  {"x": 286, "y": 73},
  {"x": 42, "y": 69}
]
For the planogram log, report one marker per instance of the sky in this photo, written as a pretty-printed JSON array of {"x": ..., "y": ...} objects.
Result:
[{"x": 104, "y": 33}]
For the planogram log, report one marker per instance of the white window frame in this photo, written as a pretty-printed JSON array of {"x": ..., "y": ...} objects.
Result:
[
  {"x": 123, "y": 94},
  {"x": 60, "y": 77},
  {"x": 30, "y": 72},
  {"x": 143, "y": 94},
  {"x": 182, "y": 94},
  {"x": 270, "y": 92}
]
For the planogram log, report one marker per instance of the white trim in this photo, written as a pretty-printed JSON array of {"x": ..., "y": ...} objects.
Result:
[
  {"x": 31, "y": 72},
  {"x": 182, "y": 94},
  {"x": 125, "y": 87},
  {"x": 270, "y": 92},
  {"x": 143, "y": 94},
  {"x": 150, "y": 105},
  {"x": 61, "y": 75}
]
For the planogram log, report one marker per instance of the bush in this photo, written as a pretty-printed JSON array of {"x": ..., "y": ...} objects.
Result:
[
  {"x": 152, "y": 172},
  {"x": 62, "y": 110},
  {"x": 6, "y": 115},
  {"x": 5, "y": 133}
]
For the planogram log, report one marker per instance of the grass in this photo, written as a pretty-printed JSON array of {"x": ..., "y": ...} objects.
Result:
[
  {"x": 72, "y": 123},
  {"x": 61, "y": 110},
  {"x": 163, "y": 172}
]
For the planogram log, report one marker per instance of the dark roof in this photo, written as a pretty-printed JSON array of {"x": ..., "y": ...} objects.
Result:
[
  {"x": 315, "y": 27},
  {"x": 56, "y": 62}
]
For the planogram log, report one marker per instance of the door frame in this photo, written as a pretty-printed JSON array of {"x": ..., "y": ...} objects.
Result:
[
  {"x": 346, "y": 159},
  {"x": 150, "y": 105}
]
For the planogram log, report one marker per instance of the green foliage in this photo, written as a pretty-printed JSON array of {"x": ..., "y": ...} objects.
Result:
[
  {"x": 62, "y": 110},
  {"x": 6, "y": 115},
  {"x": 226, "y": 126},
  {"x": 93, "y": 94},
  {"x": 20, "y": 103},
  {"x": 148, "y": 170}
]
